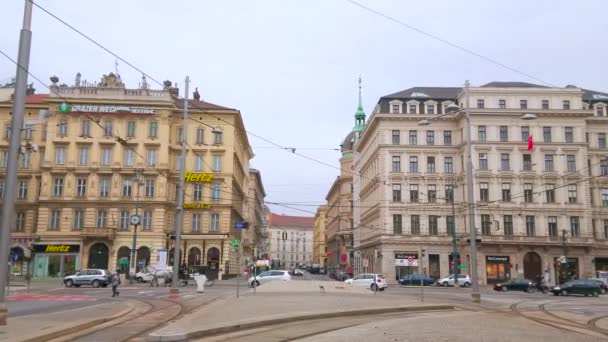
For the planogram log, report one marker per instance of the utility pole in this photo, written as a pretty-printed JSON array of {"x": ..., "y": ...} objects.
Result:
[
  {"x": 8, "y": 207},
  {"x": 135, "y": 221},
  {"x": 422, "y": 274},
  {"x": 565, "y": 265},
  {"x": 454, "y": 244},
  {"x": 180, "y": 194}
]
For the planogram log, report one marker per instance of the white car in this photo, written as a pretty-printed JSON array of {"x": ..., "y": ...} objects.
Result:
[
  {"x": 269, "y": 276},
  {"x": 146, "y": 275},
  {"x": 463, "y": 280},
  {"x": 369, "y": 280}
]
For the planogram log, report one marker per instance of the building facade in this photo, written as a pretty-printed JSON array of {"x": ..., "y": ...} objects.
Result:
[
  {"x": 291, "y": 240},
  {"x": 531, "y": 205},
  {"x": 254, "y": 239},
  {"x": 319, "y": 246},
  {"x": 105, "y": 153}
]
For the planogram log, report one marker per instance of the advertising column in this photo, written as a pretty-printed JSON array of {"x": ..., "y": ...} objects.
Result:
[{"x": 55, "y": 260}]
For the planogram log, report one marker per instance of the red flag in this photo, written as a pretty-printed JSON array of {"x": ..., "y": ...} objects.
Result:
[{"x": 530, "y": 143}]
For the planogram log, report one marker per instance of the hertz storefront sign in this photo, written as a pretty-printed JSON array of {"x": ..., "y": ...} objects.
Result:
[
  {"x": 56, "y": 248},
  {"x": 198, "y": 177}
]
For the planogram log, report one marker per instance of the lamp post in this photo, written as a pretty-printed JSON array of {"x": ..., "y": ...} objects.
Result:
[
  {"x": 476, "y": 296},
  {"x": 564, "y": 261},
  {"x": 135, "y": 220}
]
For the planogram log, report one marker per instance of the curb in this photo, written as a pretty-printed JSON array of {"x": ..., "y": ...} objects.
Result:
[
  {"x": 251, "y": 325},
  {"x": 82, "y": 326}
]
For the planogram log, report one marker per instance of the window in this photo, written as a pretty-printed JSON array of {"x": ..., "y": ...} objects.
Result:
[
  {"x": 430, "y": 164},
  {"x": 153, "y": 129},
  {"x": 486, "y": 225},
  {"x": 547, "y": 134},
  {"x": 545, "y": 104},
  {"x": 604, "y": 167},
  {"x": 572, "y": 193},
  {"x": 106, "y": 156},
  {"x": 180, "y": 135},
  {"x": 63, "y": 128},
  {"x": 150, "y": 185},
  {"x": 571, "y": 162},
  {"x": 527, "y": 159},
  {"x": 480, "y": 103},
  {"x": 433, "y": 225},
  {"x": 412, "y": 109},
  {"x": 413, "y": 137},
  {"x": 22, "y": 190},
  {"x": 430, "y": 137},
  {"x": 5, "y": 159},
  {"x": 504, "y": 133},
  {"x": 601, "y": 140},
  {"x": 606, "y": 229},
  {"x": 448, "y": 165},
  {"x": 58, "y": 186},
  {"x": 481, "y": 133},
  {"x": 200, "y": 136},
  {"x": 217, "y": 163},
  {"x": 413, "y": 192},
  {"x": 78, "y": 222},
  {"x": 197, "y": 193},
  {"x": 550, "y": 193},
  {"x": 217, "y": 136},
  {"x": 2, "y": 186},
  {"x": 506, "y": 192},
  {"x": 215, "y": 221},
  {"x": 20, "y": 221},
  {"x": 83, "y": 156},
  {"x": 574, "y": 226},
  {"x": 215, "y": 192},
  {"x": 569, "y": 133},
  {"x": 108, "y": 128},
  {"x": 198, "y": 163},
  {"x": 396, "y": 109},
  {"x": 483, "y": 161},
  {"x": 449, "y": 193},
  {"x": 484, "y": 192},
  {"x": 396, "y": 164},
  {"x": 397, "y": 224},
  {"x": 396, "y": 192},
  {"x": 179, "y": 163},
  {"x": 25, "y": 159},
  {"x": 502, "y": 104},
  {"x": 151, "y": 157},
  {"x": 508, "y": 225},
  {"x": 447, "y": 137},
  {"x": 131, "y": 129},
  {"x": 430, "y": 109},
  {"x": 196, "y": 222},
  {"x": 605, "y": 198},
  {"x": 552, "y": 226},
  {"x": 81, "y": 186},
  {"x": 525, "y": 133},
  {"x": 528, "y": 194},
  {"x": 523, "y": 104},
  {"x": 147, "y": 220},
  {"x": 566, "y": 104},
  {"x": 124, "y": 220},
  {"x": 27, "y": 132},
  {"x": 549, "y": 163},
  {"x": 85, "y": 128},
  {"x": 450, "y": 225},
  {"x": 127, "y": 187},
  {"x": 505, "y": 164},
  {"x": 415, "y": 224},
  {"x": 60, "y": 155},
  {"x": 599, "y": 111},
  {"x": 104, "y": 186},
  {"x": 414, "y": 164},
  {"x": 129, "y": 156},
  {"x": 7, "y": 132},
  {"x": 530, "y": 226},
  {"x": 55, "y": 223},
  {"x": 396, "y": 137},
  {"x": 102, "y": 218},
  {"x": 432, "y": 193}
]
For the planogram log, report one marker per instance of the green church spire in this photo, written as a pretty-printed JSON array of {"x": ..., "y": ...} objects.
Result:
[{"x": 359, "y": 114}]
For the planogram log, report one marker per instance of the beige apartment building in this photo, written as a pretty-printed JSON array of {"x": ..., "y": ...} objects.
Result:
[
  {"x": 319, "y": 246},
  {"x": 254, "y": 238},
  {"x": 532, "y": 206},
  {"x": 104, "y": 152}
]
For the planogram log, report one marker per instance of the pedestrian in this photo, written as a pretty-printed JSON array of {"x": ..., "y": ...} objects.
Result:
[{"x": 115, "y": 283}]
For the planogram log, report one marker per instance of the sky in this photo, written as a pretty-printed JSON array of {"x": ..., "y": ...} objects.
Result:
[{"x": 291, "y": 67}]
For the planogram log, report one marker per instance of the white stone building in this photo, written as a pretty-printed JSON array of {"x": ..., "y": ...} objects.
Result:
[{"x": 290, "y": 240}]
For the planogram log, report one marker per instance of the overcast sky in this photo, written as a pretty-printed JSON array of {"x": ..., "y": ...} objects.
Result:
[{"x": 291, "y": 67}]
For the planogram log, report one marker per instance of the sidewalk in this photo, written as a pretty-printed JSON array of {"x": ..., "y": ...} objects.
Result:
[{"x": 263, "y": 308}]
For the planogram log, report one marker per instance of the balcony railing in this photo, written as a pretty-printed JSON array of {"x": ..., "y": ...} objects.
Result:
[{"x": 94, "y": 232}]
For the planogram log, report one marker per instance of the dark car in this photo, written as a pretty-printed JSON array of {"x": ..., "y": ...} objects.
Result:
[
  {"x": 342, "y": 275},
  {"x": 584, "y": 287},
  {"x": 515, "y": 285},
  {"x": 602, "y": 284},
  {"x": 415, "y": 279}
]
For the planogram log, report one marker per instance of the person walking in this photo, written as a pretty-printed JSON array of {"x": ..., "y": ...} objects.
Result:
[{"x": 115, "y": 283}]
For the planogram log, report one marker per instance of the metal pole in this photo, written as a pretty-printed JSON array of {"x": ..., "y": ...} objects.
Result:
[
  {"x": 179, "y": 210},
  {"x": 566, "y": 266},
  {"x": 476, "y": 296},
  {"x": 454, "y": 245},
  {"x": 239, "y": 268},
  {"x": 133, "y": 270},
  {"x": 8, "y": 207},
  {"x": 421, "y": 274}
]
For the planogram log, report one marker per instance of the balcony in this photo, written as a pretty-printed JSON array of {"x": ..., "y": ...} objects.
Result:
[
  {"x": 534, "y": 240},
  {"x": 94, "y": 232}
]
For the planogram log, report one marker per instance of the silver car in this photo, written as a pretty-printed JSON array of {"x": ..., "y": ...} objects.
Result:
[
  {"x": 269, "y": 276},
  {"x": 93, "y": 277}
]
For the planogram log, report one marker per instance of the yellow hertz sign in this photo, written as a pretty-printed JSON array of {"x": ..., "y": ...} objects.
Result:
[
  {"x": 198, "y": 177},
  {"x": 197, "y": 206},
  {"x": 57, "y": 248}
]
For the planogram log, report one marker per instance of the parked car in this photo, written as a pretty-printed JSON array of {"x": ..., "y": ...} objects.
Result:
[
  {"x": 297, "y": 272},
  {"x": 93, "y": 277},
  {"x": 585, "y": 287},
  {"x": 515, "y": 285},
  {"x": 344, "y": 275},
  {"x": 463, "y": 280},
  {"x": 145, "y": 275},
  {"x": 161, "y": 277},
  {"x": 269, "y": 276},
  {"x": 369, "y": 280},
  {"x": 415, "y": 279},
  {"x": 602, "y": 283}
]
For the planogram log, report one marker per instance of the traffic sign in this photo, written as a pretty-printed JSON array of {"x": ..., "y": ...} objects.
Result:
[
  {"x": 241, "y": 225},
  {"x": 235, "y": 243},
  {"x": 462, "y": 267}
]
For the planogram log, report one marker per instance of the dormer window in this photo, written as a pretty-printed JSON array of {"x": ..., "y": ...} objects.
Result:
[
  {"x": 599, "y": 111},
  {"x": 523, "y": 104},
  {"x": 502, "y": 104},
  {"x": 545, "y": 104},
  {"x": 430, "y": 109},
  {"x": 566, "y": 104},
  {"x": 412, "y": 109},
  {"x": 480, "y": 103},
  {"x": 396, "y": 109}
]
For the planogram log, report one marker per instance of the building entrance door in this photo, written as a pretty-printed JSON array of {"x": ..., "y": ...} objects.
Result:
[
  {"x": 98, "y": 256},
  {"x": 532, "y": 266}
]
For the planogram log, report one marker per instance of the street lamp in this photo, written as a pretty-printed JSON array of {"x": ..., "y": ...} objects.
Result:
[
  {"x": 450, "y": 109},
  {"x": 135, "y": 220}
]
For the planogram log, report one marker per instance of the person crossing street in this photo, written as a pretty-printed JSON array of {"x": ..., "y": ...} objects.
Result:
[{"x": 115, "y": 283}]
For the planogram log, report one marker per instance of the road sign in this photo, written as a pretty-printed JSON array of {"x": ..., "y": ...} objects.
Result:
[
  {"x": 235, "y": 243},
  {"x": 563, "y": 259},
  {"x": 462, "y": 267}
]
